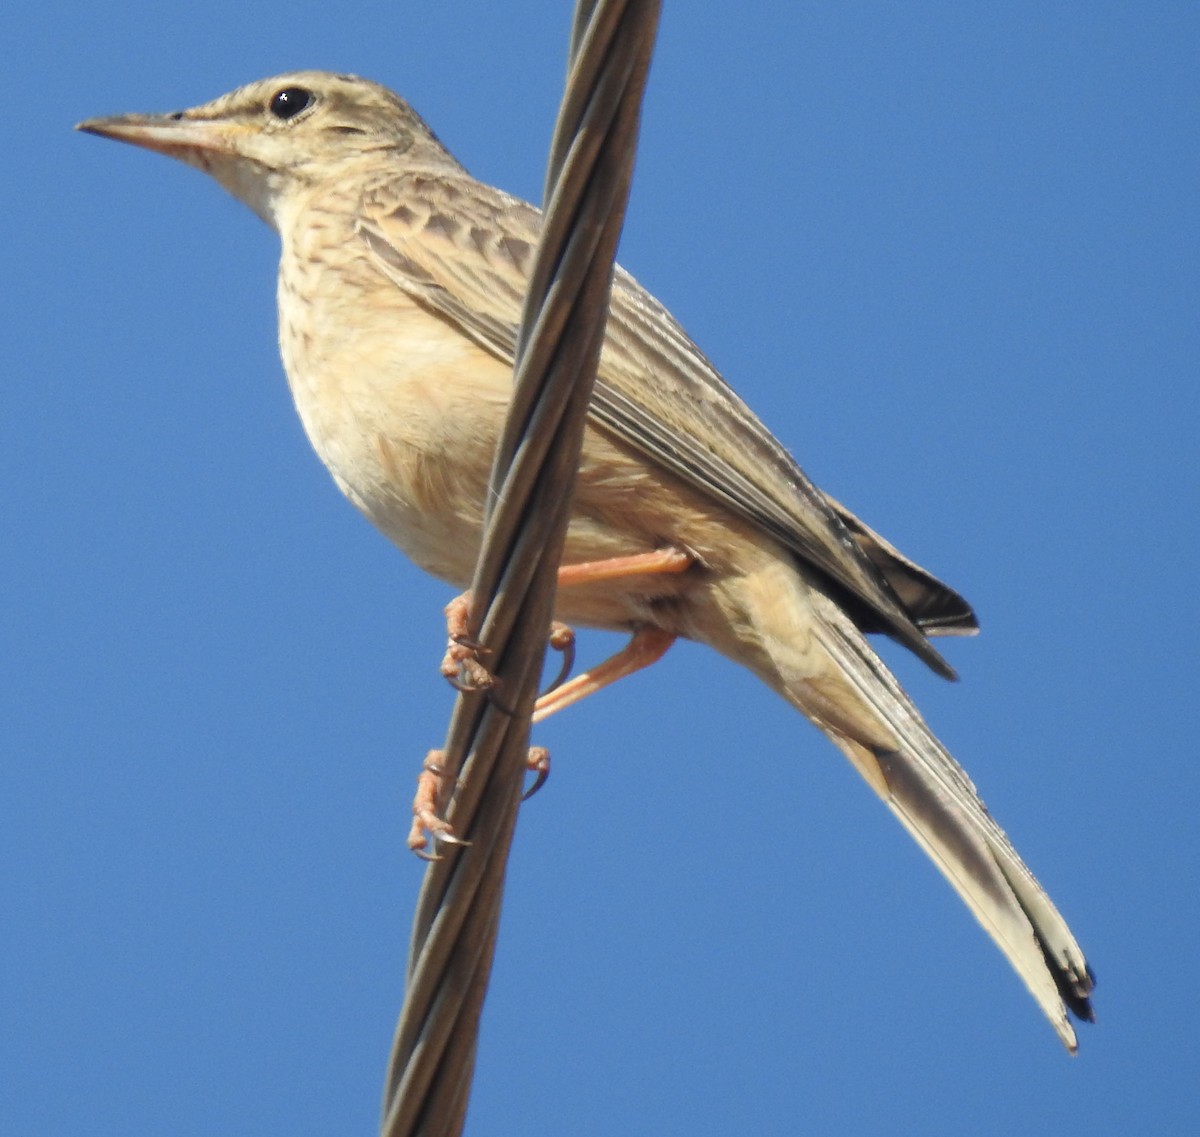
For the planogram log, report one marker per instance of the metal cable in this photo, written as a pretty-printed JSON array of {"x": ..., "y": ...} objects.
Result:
[{"x": 558, "y": 347}]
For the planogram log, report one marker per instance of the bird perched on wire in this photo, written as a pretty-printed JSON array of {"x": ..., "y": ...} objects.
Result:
[{"x": 400, "y": 290}]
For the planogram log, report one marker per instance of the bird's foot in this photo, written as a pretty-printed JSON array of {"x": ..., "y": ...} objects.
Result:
[
  {"x": 428, "y": 825},
  {"x": 461, "y": 664}
]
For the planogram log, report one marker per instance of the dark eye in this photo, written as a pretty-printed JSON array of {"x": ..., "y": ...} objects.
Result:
[{"x": 291, "y": 101}]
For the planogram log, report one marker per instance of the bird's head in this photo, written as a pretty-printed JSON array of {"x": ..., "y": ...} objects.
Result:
[{"x": 271, "y": 139}]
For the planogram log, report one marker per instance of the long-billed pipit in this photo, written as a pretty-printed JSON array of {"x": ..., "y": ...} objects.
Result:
[{"x": 400, "y": 288}]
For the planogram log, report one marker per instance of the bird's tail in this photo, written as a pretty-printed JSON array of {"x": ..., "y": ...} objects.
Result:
[{"x": 813, "y": 654}]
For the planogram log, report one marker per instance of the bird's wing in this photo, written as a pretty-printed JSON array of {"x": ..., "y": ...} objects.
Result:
[
  {"x": 655, "y": 390},
  {"x": 934, "y": 607},
  {"x": 650, "y": 375}
]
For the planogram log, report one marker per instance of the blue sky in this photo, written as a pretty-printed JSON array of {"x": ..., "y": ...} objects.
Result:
[{"x": 949, "y": 253}]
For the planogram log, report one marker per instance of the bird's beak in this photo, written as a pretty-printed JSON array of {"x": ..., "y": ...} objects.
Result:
[
  {"x": 217, "y": 145},
  {"x": 191, "y": 139}
]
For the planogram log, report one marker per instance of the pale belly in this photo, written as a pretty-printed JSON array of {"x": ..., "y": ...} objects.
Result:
[{"x": 406, "y": 423}]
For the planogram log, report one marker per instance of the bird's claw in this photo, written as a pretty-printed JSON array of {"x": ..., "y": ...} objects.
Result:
[
  {"x": 465, "y": 673},
  {"x": 461, "y": 665},
  {"x": 428, "y": 825},
  {"x": 562, "y": 640},
  {"x": 538, "y": 762},
  {"x": 429, "y": 828}
]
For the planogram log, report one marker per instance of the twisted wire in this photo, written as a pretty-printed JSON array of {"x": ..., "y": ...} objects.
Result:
[{"x": 562, "y": 328}]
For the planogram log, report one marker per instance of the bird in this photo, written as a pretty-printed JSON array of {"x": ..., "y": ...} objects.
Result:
[{"x": 400, "y": 286}]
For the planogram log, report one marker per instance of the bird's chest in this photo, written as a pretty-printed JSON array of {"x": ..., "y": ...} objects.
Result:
[{"x": 403, "y": 410}]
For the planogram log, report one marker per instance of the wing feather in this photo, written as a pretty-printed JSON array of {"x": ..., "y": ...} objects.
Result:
[{"x": 651, "y": 375}]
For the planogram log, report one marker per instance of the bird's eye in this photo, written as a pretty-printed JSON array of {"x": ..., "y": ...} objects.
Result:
[{"x": 291, "y": 101}]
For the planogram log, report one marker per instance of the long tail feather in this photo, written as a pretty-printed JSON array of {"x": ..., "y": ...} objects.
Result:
[{"x": 810, "y": 650}]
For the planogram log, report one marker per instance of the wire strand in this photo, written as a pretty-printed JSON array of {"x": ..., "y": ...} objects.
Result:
[{"x": 512, "y": 593}]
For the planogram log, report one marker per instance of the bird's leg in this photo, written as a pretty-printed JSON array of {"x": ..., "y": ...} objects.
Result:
[
  {"x": 461, "y": 664},
  {"x": 621, "y": 568},
  {"x": 462, "y": 667},
  {"x": 646, "y": 646}
]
